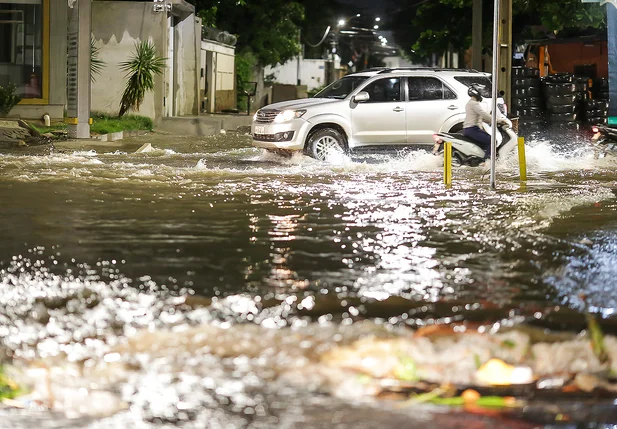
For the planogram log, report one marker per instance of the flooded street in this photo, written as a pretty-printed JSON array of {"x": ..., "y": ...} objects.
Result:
[{"x": 196, "y": 285}]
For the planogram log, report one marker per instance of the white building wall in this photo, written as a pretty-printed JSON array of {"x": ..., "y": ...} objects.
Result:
[
  {"x": 312, "y": 73},
  {"x": 116, "y": 26},
  {"x": 186, "y": 68},
  {"x": 397, "y": 62},
  {"x": 218, "y": 82}
]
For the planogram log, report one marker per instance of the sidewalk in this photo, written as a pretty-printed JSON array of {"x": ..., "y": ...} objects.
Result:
[{"x": 205, "y": 125}]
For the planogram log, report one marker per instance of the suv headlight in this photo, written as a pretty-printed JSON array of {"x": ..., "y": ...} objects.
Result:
[
  {"x": 288, "y": 115},
  {"x": 255, "y": 116}
]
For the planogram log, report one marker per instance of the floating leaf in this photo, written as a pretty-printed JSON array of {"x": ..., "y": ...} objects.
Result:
[
  {"x": 597, "y": 338},
  {"x": 406, "y": 370}
]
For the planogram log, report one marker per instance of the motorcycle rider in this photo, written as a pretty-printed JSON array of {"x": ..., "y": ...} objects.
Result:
[{"x": 475, "y": 115}]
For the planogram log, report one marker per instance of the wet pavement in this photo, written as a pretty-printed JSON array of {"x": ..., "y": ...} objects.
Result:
[{"x": 286, "y": 258}]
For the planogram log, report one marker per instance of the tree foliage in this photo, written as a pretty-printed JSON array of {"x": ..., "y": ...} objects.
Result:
[
  {"x": 269, "y": 28},
  {"x": 423, "y": 28}
]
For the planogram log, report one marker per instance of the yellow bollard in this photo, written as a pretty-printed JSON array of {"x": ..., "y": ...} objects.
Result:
[
  {"x": 522, "y": 162},
  {"x": 447, "y": 163}
]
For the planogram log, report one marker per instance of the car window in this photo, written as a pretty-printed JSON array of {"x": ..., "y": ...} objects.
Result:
[
  {"x": 482, "y": 82},
  {"x": 429, "y": 88},
  {"x": 341, "y": 88},
  {"x": 384, "y": 90}
]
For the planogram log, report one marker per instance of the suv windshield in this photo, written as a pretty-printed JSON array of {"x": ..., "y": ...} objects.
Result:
[
  {"x": 341, "y": 88},
  {"x": 483, "y": 83}
]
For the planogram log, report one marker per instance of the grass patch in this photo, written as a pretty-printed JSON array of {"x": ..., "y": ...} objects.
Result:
[
  {"x": 104, "y": 124},
  {"x": 8, "y": 388}
]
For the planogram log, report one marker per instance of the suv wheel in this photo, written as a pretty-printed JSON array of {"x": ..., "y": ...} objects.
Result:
[{"x": 324, "y": 143}]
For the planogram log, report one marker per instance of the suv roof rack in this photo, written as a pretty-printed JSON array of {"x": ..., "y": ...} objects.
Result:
[
  {"x": 372, "y": 69},
  {"x": 437, "y": 69}
]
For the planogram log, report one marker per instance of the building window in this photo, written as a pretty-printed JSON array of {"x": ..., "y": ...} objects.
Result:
[{"x": 21, "y": 46}]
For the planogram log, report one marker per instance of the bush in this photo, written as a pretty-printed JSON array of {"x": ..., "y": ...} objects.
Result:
[
  {"x": 103, "y": 123},
  {"x": 312, "y": 92},
  {"x": 246, "y": 62},
  {"x": 8, "y": 99}
]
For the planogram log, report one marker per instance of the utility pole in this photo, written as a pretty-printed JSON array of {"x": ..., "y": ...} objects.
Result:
[
  {"x": 505, "y": 51},
  {"x": 611, "y": 21},
  {"x": 78, "y": 59},
  {"x": 300, "y": 57},
  {"x": 495, "y": 76},
  {"x": 476, "y": 36},
  {"x": 333, "y": 45}
]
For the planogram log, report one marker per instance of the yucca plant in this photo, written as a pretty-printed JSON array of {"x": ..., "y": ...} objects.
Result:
[
  {"x": 96, "y": 64},
  {"x": 140, "y": 69}
]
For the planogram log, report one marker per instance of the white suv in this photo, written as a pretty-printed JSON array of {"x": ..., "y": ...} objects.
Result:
[{"x": 377, "y": 107}]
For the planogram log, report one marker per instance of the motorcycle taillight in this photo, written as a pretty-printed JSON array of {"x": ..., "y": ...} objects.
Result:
[{"x": 595, "y": 129}]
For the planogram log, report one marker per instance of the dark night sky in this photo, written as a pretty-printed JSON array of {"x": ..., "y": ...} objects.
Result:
[{"x": 369, "y": 6}]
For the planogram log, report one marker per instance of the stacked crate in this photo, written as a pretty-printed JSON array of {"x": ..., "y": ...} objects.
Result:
[
  {"x": 596, "y": 109},
  {"x": 527, "y": 102},
  {"x": 563, "y": 96}
]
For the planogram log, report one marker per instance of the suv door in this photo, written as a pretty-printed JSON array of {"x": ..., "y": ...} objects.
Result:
[
  {"x": 430, "y": 103},
  {"x": 381, "y": 119}
]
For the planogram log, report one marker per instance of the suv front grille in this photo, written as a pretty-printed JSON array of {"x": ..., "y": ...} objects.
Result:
[{"x": 266, "y": 116}]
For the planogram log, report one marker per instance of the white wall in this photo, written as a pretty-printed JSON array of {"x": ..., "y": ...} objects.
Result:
[
  {"x": 312, "y": 73},
  {"x": 186, "y": 67},
  {"x": 218, "y": 63},
  {"x": 397, "y": 62},
  {"x": 116, "y": 26}
]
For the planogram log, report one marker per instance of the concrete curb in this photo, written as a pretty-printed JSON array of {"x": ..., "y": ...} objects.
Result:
[{"x": 112, "y": 137}]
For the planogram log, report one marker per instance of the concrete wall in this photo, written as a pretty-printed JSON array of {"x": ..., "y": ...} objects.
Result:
[
  {"x": 57, "y": 51},
  {"x": 312, "y": 73},
  {"x": 397, "y": 62},
  {"x": 565, "y": 56},
  {"x": 225, "y": 82},
  {"x": 185, "y": 79},
  {"x": 116, "y": 26},
  {"x": 218, "y": 80}
]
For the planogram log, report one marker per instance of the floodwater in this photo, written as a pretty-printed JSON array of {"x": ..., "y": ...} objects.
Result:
[{"x": 242, "y": 266}]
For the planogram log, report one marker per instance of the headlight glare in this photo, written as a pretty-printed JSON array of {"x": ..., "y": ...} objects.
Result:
[{"x": 288, "y": 115}]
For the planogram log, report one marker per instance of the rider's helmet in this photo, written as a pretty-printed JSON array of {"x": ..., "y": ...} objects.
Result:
[{"x": 474, "y": 91}]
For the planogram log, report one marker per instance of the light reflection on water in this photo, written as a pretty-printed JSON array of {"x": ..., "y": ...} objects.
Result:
[{"x": 126, "y": 238}]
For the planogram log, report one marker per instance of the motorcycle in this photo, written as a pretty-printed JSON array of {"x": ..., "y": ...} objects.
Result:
[
  {"x": 466, "y": 151},
  {"x": 605, "y": 140}
]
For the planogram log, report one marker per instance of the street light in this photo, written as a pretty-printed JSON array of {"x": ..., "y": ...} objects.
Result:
[{"x": 377, "y": 19}]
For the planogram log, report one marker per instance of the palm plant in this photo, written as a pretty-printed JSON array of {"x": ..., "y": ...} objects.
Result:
[
  {"x": 140, "y": 70},
  {"x": 96, "y": 64}
]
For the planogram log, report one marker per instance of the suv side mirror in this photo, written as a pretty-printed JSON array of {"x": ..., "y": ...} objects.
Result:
[{"x": 361, "y": 96}]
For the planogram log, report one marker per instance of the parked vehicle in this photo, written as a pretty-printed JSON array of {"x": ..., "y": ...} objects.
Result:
[
  {"x": 466, "y": 151},
  {"x": 605, "y": 140},
  {"x": 377, "y": 107}
]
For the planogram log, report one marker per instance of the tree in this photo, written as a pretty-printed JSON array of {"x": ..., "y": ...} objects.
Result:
[
  {"x": 268, "y": 28},
  {"x": 140, "y": 69},
  {"x": 427, "y": 27}
]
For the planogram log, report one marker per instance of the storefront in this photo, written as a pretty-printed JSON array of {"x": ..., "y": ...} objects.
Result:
[
  {"x": 24, "y": 45},
  {"x": 33, "y": 46}
]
